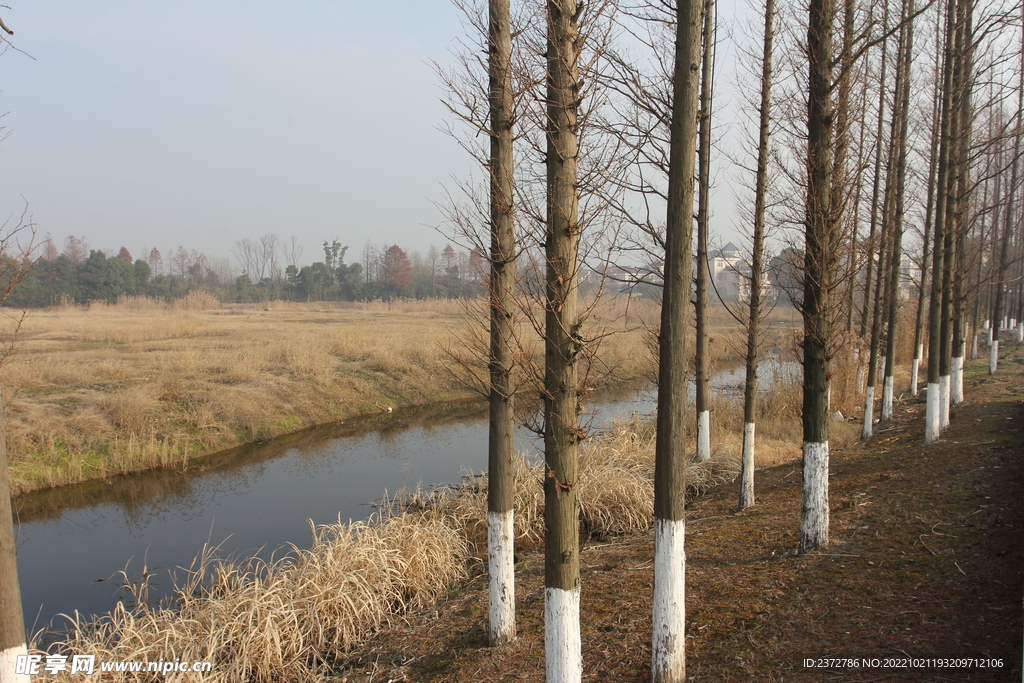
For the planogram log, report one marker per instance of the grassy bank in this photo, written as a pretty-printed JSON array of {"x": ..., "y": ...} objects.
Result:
[
  {"x": 112, "y": 389},
  {"x": 102, "y": 390}
]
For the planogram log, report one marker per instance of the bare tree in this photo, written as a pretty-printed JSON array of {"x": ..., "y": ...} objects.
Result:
[
  {"x": 292, "y": 251},
  {"x": 756, "y": 264},
  {"x": 926, "y": 237},
  {"x": 821, "y": 240},
  {"x": 246, "y": 254},
  {"x": 14, "y": 268},
  {"x": 501, "y": 286},
  {"x": 1009, "y": 217},
  {"x": 668, "y": 647},
  {"x": 901, "y": 108},
  {"x": 936, "y": 334},
  {"x": 703, "y": 379},
  {"x": 562, "y": 341}
]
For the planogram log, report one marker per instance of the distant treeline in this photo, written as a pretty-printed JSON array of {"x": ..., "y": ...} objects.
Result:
[{"x": 79, "y": 275}]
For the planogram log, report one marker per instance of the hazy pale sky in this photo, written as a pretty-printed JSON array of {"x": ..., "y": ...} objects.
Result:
[{"x": 200, "y": 123}]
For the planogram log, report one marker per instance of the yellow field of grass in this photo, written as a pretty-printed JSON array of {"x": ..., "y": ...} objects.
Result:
[
  {"x": 103, "y": 389},
  {"x": 109, "y": 389}
]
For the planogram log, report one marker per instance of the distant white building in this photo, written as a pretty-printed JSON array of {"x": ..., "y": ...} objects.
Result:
[
  {"x": 910, "y": 277},
  {"x": 730, "y": 273}
]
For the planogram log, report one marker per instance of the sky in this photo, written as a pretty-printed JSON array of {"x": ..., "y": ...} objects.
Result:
[
  {"x": 198, "y": 124},
  {"x": 202, "y": 123}
]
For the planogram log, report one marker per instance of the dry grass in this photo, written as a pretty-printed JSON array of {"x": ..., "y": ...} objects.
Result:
[
  {"x": 105, "y": 389},
  {"x": 616, "y": 489},
  {"x": 278, "y": 621}
]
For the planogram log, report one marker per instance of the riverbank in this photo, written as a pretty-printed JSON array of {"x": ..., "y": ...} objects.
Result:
[
  {"x": 102, "y": 390},
  {"x": 925, "y": 562},
  {"x": 289, "y": 620}
]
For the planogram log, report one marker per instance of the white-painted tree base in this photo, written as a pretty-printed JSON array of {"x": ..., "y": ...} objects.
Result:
[
  {"x": 563, "y": 654},
  {"x": 668, "y": 643},
  {"x": 887, "y": 398},
  {"x": 916, "y": 370},
  {"x": 501, "y": 577},
  {"x": 814, "y": 511},
  {"x": 869, "y": 414},
  {"x": 974, "y": 346},
  {"x": 931, "y": 415},
  {"x": 956, "y": 380},
  {"x": 990, "y": 337},
  {"x": 703, "y": 436},
  {"x": 943, "y": 402},
  {"x": 993, "y": 357},
  {"x": 9, "y": 662},
  {"x": 747, "y": 484},
  {"x": 1020, "y": 333}
]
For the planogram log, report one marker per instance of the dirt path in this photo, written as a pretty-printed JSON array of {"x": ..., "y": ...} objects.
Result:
[{"x": 926, "y": 563}]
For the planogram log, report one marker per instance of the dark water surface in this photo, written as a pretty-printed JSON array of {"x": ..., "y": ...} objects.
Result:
[{"x": 74, "y": 541}]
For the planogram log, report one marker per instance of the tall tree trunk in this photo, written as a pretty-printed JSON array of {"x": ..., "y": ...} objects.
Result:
[
  {"x": 562, "y": 343},
  {"x": 668, "y": 646},
  {"x": 881, "y": 290},
  {"x": 756, "y": 263},
  {"x": 820, "y": 270},
  {"x": 899, "y": 141},
  {"x": 876, "y": 246},
  {"x": 935, "y": 336},
  {"x": 933, "y": 158},
  {"x": 12, "y": 621},
  {"x": 962, "y": 206},
  {"x": 703, "y": 378},
  {"x": 875, "y": 184},
  {"x": 1008, "y": 220},
  {"x": 949, "y": 255},
  {"x": 500, "y": 536}
]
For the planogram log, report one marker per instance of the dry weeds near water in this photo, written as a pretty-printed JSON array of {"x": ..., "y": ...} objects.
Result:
[{"x": 295, "y": 619}]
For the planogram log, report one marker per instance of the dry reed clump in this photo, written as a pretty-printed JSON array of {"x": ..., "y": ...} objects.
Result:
[
  {"x": 309, "y": 356},
  {"x": 284, "y": 620},
  {"x": 195, "y": 301},
  {"x": 615, "y": 484},
  {"x": 133, "y": 410}
]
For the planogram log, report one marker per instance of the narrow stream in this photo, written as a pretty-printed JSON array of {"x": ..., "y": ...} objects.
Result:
[{"x": 73, "y": 542}]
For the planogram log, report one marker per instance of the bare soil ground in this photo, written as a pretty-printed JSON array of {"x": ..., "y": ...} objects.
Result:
[{"x": 926, "y": 561}]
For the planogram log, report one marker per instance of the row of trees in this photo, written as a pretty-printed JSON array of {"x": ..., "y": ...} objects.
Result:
[
  {"x": 78, "y": 274},
  {"x": 872, "y": 161}
]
